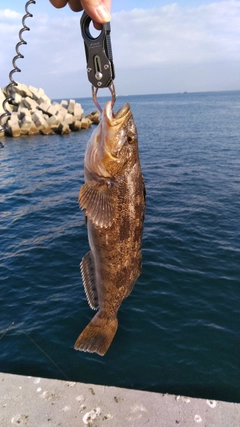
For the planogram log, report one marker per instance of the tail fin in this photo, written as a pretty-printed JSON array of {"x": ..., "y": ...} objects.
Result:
[{"x": 98, "y": 335}]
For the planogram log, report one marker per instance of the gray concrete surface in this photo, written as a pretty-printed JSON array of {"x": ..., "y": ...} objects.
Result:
[{"x": 39, "y": 402}]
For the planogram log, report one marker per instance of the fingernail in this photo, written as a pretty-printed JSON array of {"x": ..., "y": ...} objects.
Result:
[{"x": 103, "y": 13}]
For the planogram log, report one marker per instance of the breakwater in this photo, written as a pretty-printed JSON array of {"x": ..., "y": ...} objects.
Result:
[{"x": 32, "y": 112}]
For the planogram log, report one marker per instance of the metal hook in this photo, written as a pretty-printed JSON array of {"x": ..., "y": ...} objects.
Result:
[{"x": 111, "y": 87}]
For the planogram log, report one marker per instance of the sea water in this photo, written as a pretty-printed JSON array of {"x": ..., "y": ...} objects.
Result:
[{"x": 179, "y": 330}]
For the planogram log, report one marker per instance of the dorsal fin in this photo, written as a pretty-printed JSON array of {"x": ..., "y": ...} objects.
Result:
[
  {"x": 89, "y": 280},
  {"x": 95, "y": 198}
]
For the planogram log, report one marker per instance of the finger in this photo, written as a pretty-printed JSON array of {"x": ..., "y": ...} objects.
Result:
[
  {"x": 108, "y": 4},
  {"x": 97, "y": 25},
  {"x": 58, "y": 3},
  {"x": 75, "y": 5},
  {"x": 97, "y": 10}
]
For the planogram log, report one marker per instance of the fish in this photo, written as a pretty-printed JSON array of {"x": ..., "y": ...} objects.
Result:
[{"x": 113, "y": 200}]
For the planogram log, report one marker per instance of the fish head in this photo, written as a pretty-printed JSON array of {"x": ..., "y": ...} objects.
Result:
[{"x": 113, "y": 144}]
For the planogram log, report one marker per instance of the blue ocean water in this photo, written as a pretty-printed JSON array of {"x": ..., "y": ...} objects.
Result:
[{"x": 179, "y": 330}]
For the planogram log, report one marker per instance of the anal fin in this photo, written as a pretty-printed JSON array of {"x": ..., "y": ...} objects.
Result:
[{"x": 89, "y": 280}]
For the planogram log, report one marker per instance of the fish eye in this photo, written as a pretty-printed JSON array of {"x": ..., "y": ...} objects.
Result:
[{"x": 130, "y": 139}]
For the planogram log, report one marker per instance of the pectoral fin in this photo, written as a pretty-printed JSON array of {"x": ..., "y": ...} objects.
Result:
[
  {"x": 95, "y": 198},
  {"x": 89, "y": 280}
]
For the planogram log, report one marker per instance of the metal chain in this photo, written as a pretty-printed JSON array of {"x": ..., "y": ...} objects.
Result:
[{"x": 15, "y": 69}]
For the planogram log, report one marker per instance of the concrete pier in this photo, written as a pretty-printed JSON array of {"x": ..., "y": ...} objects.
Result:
[{"x": 40, "y": 402}]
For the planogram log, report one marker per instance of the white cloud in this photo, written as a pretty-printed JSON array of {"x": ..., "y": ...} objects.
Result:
[
  {"x": 172, "y": 34},
  {"x": 9, "y": 14},
  {"x": 158, "y": 49}
]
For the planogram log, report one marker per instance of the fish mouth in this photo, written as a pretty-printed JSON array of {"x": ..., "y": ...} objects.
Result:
[
  {"x": 123, "y": 111},
  {"x": 119, "y": 117}
]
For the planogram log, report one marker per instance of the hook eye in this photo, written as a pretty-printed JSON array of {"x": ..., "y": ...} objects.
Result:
[
  {"x": 93, "y": 31},
  {"x": 89, "y": 32}
]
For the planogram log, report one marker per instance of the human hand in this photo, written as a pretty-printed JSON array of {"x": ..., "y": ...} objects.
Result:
[{"x": 98, "y": 10}]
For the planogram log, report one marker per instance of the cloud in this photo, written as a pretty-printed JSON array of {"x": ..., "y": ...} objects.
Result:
[
  {"x": 9, "y": 14},
  {"x": 174, "y": 34},
  {"x": 154, "y": 49}
]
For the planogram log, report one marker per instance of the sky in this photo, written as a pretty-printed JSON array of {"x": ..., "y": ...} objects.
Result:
[{"x": 158, "y": 46}]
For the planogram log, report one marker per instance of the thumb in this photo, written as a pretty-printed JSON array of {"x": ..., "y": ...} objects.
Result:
[{"x": 98, "y": 10}]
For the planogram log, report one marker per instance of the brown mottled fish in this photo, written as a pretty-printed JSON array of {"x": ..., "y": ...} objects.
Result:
[{"x": 113, "y": 198}]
